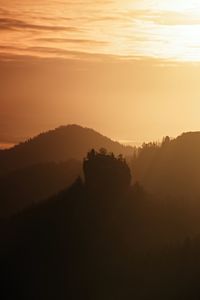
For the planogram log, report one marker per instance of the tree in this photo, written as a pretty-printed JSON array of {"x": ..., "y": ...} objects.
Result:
[{"x": 165, "y": 141}]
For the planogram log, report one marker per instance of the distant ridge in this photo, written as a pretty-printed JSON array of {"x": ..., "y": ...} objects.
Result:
[
  {"x": 60, "y": 144},
  {"x": 173, "y": 168},
  {"x": 25, "y": 187}
]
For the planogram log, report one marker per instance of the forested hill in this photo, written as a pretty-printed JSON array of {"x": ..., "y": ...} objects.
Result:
[
  {"x": 172, "y": 168},
  {"x": 60, "y": 144}
]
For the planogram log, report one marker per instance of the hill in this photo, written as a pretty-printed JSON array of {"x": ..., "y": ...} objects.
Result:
[
  {"x": 60, "y": 144},
  {"x": 172, "y": 168}
]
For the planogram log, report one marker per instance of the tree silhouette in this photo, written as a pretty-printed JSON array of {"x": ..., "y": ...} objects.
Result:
[{"x": 105, "y": 173}]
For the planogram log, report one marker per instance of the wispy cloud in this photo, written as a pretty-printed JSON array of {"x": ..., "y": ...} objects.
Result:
[
  {"x": 128, "y": 28},
  {"x": 10, "y": 24},
  {"x": 73, "y": 41}
]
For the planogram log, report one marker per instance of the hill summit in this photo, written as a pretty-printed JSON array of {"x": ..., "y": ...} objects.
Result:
[{"x": 58, "y": 145}]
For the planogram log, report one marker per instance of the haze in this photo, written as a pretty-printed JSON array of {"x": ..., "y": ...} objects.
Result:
[{"x": 129, "y": 69}]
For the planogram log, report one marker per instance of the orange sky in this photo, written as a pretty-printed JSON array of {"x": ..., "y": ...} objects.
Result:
[{"x": 129, "y": 69}]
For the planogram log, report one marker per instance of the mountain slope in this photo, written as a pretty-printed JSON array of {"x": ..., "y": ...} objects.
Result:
[
  {"x": 57, "y": 145},
  {"x": 172, "y": 169}
]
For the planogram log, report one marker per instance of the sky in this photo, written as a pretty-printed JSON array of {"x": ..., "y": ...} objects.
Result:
[{"x": 127, "y": 68}]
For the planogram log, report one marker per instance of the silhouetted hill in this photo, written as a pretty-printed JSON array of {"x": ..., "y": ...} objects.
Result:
[
  {"x": 25, "y": 187},
  {"x": 57, "y": 145},
  {"x": 171, "y": 169}
]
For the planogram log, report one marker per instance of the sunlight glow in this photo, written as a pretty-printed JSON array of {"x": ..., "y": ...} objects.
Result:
[
  {"x": 169, "y": 29},
  {"x": 166, "y": 5}
]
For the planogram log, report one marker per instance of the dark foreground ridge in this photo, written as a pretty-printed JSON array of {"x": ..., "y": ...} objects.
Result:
[{"x": 100, "y": 239}]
